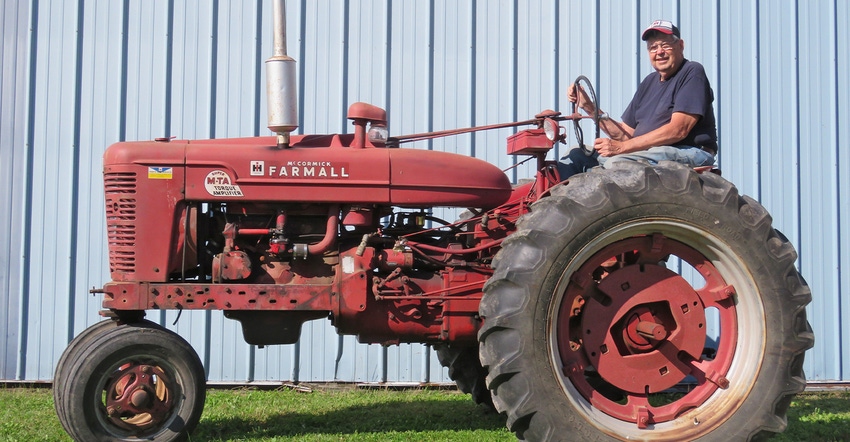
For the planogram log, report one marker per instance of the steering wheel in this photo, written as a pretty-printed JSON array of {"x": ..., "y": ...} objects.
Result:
[{"x": 576, "y": 126}]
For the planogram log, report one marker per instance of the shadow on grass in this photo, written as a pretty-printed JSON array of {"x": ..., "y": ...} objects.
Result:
[
  {"x": 420, "y": 416},
  {"x": 812, "y": 416}
]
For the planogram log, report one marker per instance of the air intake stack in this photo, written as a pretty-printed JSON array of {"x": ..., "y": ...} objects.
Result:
[{"x": 282, "y": 95}]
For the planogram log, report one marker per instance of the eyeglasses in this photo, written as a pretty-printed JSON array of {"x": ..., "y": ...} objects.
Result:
[{"x": 664, "y": 46}]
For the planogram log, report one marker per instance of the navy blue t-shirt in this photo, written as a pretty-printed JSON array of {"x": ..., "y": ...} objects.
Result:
[{"x": 686, "y": 91}]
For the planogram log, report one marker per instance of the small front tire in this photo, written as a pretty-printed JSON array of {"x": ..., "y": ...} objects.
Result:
[{"x": 131, "y": 382}]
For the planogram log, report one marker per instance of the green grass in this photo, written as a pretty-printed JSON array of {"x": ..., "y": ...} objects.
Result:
[
  {"x": 367, "y": 415},
  {"x": 818, "y": 417}
]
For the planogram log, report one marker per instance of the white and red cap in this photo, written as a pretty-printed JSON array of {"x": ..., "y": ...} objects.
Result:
[{"x": 662, "y": 26}]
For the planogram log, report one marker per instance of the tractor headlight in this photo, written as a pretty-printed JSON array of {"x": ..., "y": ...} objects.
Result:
[
  {"x": 378, "y": 134},
  {"x": 551, "y": 129}
]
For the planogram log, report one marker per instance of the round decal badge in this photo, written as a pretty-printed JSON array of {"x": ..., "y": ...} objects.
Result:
[{"x": 219, "y": 183}]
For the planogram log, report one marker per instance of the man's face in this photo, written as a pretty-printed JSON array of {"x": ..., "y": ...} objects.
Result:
[{"x": 666, "y": 54}]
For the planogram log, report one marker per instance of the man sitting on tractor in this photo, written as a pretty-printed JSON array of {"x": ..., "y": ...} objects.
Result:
[{"x": 670, "y": 117}]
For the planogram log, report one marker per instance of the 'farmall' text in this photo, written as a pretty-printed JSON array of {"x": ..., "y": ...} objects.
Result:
[{"x": 310, "y": 169}]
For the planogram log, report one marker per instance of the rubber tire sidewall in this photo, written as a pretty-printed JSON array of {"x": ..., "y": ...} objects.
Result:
[{"x": 71, "y": 354}]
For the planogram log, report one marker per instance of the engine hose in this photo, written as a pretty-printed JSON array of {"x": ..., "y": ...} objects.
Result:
[{"x": 330, "y": 233}]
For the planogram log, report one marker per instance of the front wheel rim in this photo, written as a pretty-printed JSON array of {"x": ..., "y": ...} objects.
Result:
[{"x": 138, "y": 397}]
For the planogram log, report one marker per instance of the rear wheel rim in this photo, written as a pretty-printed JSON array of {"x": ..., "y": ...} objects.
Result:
[{"x": 627, "y": 329}]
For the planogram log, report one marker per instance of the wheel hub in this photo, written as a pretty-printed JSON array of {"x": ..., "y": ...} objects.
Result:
[
  {"x": 138, "y": 397},
  {"x": 643, "y": 330}
]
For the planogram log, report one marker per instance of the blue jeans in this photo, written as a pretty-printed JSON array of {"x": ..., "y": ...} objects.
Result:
[{"x": 575, "y": 161}]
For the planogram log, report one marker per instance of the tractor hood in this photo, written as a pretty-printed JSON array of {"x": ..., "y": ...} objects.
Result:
[{"x": 316, "y": 168}]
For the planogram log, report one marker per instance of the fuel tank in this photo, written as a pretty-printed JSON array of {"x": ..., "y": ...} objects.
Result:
[{"x": 316, "y": 168}]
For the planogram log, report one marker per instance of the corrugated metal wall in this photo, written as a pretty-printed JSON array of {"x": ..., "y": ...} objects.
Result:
[{"x": 80, "y": 75}]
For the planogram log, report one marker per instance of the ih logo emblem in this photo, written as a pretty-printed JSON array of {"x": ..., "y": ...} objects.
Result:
[{"x": 258, "y": 168}]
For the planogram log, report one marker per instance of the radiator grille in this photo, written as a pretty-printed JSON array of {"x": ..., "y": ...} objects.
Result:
[{"x": 120, "y": 191}]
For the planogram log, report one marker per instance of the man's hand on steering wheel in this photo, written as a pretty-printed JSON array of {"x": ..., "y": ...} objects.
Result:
[{"x": 576, "y": 94}]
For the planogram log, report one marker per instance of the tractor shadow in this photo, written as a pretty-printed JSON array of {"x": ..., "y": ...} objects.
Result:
[{"x": 390, "y": 417}]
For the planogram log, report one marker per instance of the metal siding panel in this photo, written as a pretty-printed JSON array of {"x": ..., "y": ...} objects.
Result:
[
  {"x": 816, "y": 163},
  {"x": 738, "y": 102},
  {"x": 47, "y": 293},
  {"x": 495, "y": 78},
  {"x": 842, "y": 201},
  {"x": 453, "y": 63},
  {"x": 147, "y": 37},
  {"x": 403, "y": 363},
  {"x": 317, "y": 364},
  {"x": 13, "y": 165},
  {"x": 410, "y": 69},
  {"x": 237, "y": 70},
  {"x": 322, "y": 67},
  {"x": 353, "y": 362},
  {"x": 192, "y": 73},
  {"x": 536, "y": 68},
  {"x": 368, "y": 46},
  {"x": 230, "y": 357},
  {"x": 274, "y": 363},
  {"x": 370, "y": 362}
]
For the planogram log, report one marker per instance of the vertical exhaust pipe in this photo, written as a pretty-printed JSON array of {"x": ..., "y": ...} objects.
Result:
[{"x": 282, "y": 95}]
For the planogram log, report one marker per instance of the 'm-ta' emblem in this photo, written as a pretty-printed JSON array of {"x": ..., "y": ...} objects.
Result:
[{"x": 219, "y": 183}]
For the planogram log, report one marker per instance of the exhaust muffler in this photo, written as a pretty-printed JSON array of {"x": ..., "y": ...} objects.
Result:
[{"x": 282, "y": 95}]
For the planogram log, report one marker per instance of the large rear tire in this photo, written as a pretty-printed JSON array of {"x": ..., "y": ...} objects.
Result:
[
  {"x": 589, "y": 336},
  {"x": 130, "y": 382},
  {"x": 466, "y": 370}
]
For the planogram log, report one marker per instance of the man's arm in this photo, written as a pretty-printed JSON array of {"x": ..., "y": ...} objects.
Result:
[
  {"x": 676, "y": 130},
  {"x": 617, "y": 130}
]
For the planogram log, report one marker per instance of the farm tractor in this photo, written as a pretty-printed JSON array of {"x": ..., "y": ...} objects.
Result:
[{"x": 641, "y": 302}]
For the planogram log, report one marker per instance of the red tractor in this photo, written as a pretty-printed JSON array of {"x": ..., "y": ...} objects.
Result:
[{"x": 642, "y": 302}]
